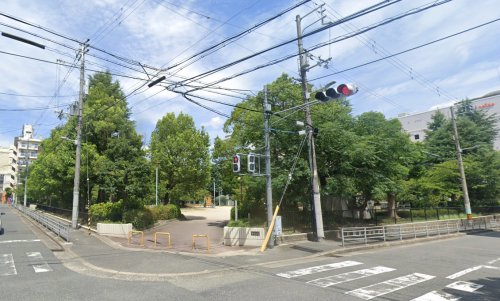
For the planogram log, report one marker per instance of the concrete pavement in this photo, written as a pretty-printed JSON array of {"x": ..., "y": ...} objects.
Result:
[{"x": 100, "y": 256}]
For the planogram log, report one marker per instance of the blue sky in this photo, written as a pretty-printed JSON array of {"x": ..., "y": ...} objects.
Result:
[{"x": 160, "y": 33}]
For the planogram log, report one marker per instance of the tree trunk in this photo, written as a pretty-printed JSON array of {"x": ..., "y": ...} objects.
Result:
[{"x": 391, "y": 205}]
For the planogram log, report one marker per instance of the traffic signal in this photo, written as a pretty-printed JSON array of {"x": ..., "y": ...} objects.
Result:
[
  {"x": 236, "y": 163},
  {"x": 347, "y": 89},
  {"x": 251, "y": 162},
  {"x": 341, "y": 91}
]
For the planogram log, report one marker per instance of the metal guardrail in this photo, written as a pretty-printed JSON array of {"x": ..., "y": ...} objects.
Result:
[
  {"x": 358, "y": 235},
  {"x": 60, "y": 228}
]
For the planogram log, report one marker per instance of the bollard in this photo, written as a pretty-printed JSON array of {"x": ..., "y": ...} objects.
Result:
[
  {"x": 193, "y": 246},
  {"x": 166, "y": 234},
  {"x": 131, "y": 233}
]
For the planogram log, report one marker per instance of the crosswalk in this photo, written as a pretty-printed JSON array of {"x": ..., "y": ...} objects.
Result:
[
  {"x": 33, "y": 259},
  {"x": 332, "y": 275}
]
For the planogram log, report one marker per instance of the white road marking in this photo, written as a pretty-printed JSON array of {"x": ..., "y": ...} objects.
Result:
[
  {"x": 491, "y": 267},
  {"x": 493, "y": 261},
  {"x": 318, "y": 269},
  {"x": 7, "y": 266},
  {"x": 389, "y": 286},
  {"x": 345, "y": 277},
  {"x": 38, "y": 263},
  {"x": 435, "y": 296},
  {"x": 465, "y": 286},
  {"x": 461, "y": 273},
  {"x": 19, "y": 240}
]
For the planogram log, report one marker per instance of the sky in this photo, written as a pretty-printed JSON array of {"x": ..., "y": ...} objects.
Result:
[{"x": 140, "y": 40}]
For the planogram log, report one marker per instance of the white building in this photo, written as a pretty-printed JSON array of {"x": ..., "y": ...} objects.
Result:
[
  {"x": 27, "y": 148},
  {"x": 8, "y": 168},
  {"x": 416, "y": 124}
]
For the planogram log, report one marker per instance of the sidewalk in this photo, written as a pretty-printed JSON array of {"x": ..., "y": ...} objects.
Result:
[{"x": 101, "y": 256}]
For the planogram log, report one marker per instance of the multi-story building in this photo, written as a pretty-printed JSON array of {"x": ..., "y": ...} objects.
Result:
[
  {"x": 27, "y": 148},
  {"x": 416, "y": 124},
  {"x": 8, "y": 170}
]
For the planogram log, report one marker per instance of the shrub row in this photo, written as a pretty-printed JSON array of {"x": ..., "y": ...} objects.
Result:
[{"x": 141, "y": 217}]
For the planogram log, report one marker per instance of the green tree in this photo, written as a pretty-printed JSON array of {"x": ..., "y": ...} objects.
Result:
[
  {"x": 182, "y": 153},
  {"x": 112, "y": 154},
  {"x": 476, "y": 132}
]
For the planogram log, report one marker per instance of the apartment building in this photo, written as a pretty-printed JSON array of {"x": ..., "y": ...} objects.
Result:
[
  {"x": 27, "y": 148},
  {"x": 416, "y": 124}
]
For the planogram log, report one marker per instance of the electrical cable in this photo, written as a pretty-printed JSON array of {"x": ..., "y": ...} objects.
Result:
[
  {"x": 360, "y": 13},
  {"x": 408, "y": 50},
  {"x": 339, "y": 39}
]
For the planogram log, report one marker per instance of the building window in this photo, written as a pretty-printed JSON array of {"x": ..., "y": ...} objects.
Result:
[{"x": 416, "y": 137}]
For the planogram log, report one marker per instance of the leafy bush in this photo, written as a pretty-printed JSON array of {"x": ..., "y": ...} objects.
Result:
[
  {"x": 140, "y": 218},
  {"x": 106, "y": 212},
  {"x": 239, "y": 223},
  {"x": 165, "y": 212}
]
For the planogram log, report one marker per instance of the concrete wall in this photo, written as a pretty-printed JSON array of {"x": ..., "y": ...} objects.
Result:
[
  {"x": 239, "y": 236},
  {"x": 116, "y": 230}
]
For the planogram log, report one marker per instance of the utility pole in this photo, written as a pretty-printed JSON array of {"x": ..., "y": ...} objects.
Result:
[
  {"x": 269, "y": 191},
  {"x": 213, "y": 203},
  {"x": 27, "y": 171},
  {"x": 465, "y": 191},
  {"x": 76, "y": 187},
  {"x": 316, "y": 198},
  {"x": 156, "y": 183}
]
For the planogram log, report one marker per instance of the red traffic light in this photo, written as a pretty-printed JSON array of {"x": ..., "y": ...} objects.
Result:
[
  {"x": 347, "y": 89},
  {"x": 236, "y": 163}
]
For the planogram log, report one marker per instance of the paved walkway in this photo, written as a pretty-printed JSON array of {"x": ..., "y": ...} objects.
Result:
[{"x": 198, "y": 221}]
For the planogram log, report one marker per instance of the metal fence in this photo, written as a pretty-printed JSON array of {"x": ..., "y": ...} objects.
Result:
[
  {"x": 60, "y": 228},
  {"x": 64, "y": 213},
  {"x": 301, "y": 221},
  {"x": 360, "y": 235}
]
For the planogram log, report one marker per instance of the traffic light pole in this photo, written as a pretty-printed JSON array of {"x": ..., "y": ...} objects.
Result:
[
  {"x": 269, "y": 191},
  {"x": 465, "y": 191},
  {"x": 316, "y": 198}
]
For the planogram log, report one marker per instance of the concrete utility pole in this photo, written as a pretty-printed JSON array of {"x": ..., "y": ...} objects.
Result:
[
  {"x": 156, "y": 185},
  {"x": 465, "y": 191},
  {"x": 76, "y": 187},
  {"x": 316, "y": 198},
  {"x": 26, "y": 176},
  {"x": 269, "y": 189}
]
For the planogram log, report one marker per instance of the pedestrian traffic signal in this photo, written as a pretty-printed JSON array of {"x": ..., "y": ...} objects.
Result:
[
  {"x": 236, "y": 163},
  {"x": 251, "y": 162},
  {"x": 341, "y": 91}
]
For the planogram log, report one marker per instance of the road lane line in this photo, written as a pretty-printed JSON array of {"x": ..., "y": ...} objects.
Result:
[
  {"x": 389, "y": 286},
  {"x": 318, "y": 269},
  {"x": 493, "y": 261},
  {"x": 350, "y": 276},
  {"x": 466, "y": 271},
  {"x": 38, "y": 263},
  {"x": 7, "y": 266},
  {"x": 435, "y": 296},
  {"x": 465, "y": 286},
  {"x": 19, "y": 240}
]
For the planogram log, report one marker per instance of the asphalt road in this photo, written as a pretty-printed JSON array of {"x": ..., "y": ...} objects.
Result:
[{"x": 466, "y": 267}]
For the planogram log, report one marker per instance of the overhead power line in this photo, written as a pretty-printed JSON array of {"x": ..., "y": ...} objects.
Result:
[
  {"x": 408, "y": 50},
  {"x": 336, "y": 40},
  {"x": 358, "y": 14}
]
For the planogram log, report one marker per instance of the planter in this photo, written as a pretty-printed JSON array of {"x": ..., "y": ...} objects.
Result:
[
  {"x": 241, "y": 236},
  {"x": 115, "y": 230}
]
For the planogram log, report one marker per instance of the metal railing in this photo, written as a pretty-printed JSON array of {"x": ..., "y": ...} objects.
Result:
[
  {"x": 365, "y": 235},
  {"x": 62, "y": 229}
]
